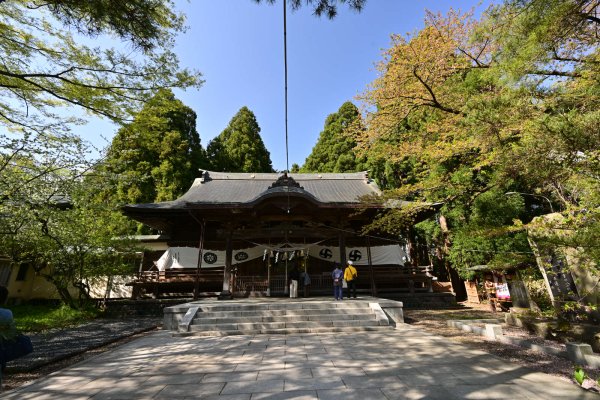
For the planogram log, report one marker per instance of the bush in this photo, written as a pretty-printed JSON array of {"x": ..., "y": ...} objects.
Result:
[
  {"x": 40, "y": 317},
  {"x": 539, "y": 294}
]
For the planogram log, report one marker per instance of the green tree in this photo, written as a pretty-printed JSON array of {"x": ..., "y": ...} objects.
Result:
[
  {"x": 158, "y": 155},
  {"x": 439, "y": 133},
  {"x": 334, "y": 151},
  {"x": 46, "y": 67},
  {"x": 54, "y": 222},
  {"x": 551, "y": 49},
  {"x": 47, "y": 77},
  {"x": 239, "y": 148},
  {"x": 327, "y": 7},
  {"x": 468, "y": 110}
]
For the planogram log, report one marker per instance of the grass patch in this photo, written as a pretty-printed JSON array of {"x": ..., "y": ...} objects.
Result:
[{"x": 41, "y": 317}]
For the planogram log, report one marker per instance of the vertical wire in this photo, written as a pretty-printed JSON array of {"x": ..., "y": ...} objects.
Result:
[
  {"x": 285, "y": 67},
  {"x": 287, "y": 160}
]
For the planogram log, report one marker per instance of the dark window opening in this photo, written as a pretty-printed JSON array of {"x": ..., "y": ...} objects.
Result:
[{"x": 22, "y": 274}]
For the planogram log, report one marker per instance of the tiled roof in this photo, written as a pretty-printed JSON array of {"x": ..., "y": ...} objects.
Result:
[{"x": 244, "y": 188}]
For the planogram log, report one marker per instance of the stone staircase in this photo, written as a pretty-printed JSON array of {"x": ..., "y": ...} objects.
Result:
[{"x": 280, "y": 318}]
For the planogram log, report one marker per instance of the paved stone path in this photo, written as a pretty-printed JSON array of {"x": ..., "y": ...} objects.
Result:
[{"x": 405, "y": 363}]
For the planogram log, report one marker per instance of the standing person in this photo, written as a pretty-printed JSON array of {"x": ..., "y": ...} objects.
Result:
[
  {"x": 337, "y": 276},
  {"x": 306, "y": 283},
  {"x": 8, "y": 331},
  {"x": 350, "y": 275},
  {"x": 294, "y": 277}
]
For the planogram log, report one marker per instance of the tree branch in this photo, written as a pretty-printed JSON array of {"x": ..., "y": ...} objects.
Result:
[
  {"x": 434, "y": 102},
  {"x": 556, "y": 73},
  {"x": 591, "y": 18}
]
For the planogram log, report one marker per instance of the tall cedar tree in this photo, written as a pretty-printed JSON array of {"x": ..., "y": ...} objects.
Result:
[
  {"x": 158, "y": 155},
  {"x": 334, "y": 151},
  {"x": 239, "y": 148}
]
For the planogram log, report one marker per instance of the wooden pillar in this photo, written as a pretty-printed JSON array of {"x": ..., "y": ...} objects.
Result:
[
  {"x": 226, "y": 293},
  {"x": 269, "y": 273},
  {"x": 141, "y": 269},
  {"x": 369, "y": 259},
  {"x": 199, "y": 263},
  {"x": 342, "y": 244}
]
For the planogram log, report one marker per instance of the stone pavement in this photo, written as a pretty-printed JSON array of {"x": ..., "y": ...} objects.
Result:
[{"x": 405, "y": 363}]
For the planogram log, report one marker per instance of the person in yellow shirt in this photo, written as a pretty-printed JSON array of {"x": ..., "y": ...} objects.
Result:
[{"x": 350, "y": 275}]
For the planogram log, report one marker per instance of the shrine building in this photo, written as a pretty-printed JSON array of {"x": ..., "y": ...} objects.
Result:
[{"x": 241, "y": 234}]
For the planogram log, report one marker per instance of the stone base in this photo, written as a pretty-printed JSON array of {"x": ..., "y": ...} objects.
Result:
[
  {"x": 225, "y": 296},
  {"x": 552, "y": 329},
  {"x": 145, "y": 307},
  {"x": 423, "y": 300}
]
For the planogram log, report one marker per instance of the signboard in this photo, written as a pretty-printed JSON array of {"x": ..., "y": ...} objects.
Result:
[{"x": 502, "y": 292}]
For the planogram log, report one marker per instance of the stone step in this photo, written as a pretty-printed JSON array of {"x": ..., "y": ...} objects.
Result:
[
  {"x": 290, "y": 307},
  {"x": 262, "y": 326},
  {"x": 270, "y": 313},
  {"x": 282, "y": 313},
  {"x": 288, "y": 317},
  {"x": 286, "y": 331},
  {"x": 209, "y": 319}
]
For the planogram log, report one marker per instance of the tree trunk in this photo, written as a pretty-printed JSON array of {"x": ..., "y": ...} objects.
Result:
[
  {"x": 62, "y": 290},
  {"x": 83, "y": 292},
  {"x": 458, "y": 285}
]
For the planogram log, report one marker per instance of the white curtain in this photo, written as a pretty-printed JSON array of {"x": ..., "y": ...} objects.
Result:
[
  {"x": 380, "y": 255},
  {"x": 187, "y": 257}
]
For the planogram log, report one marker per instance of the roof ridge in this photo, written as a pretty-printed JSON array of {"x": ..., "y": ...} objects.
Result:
[{"x": 212, "y": 175}]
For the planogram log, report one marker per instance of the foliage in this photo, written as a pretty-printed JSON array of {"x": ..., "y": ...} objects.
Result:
[
  {"x": 52, "y": 220},
  {"x": 579, "y": 375},
  {"x": 486, "y": 236},
  {"x": 158, "y": 155},
  {"x": 539, "y": 294},
  {"x": 466, "y": 111},
  {"x": 320, "y": 7},
  {"x": 551, "y": 48},
  {"x": 239, "y": 148},
  {"x": 42, "y": 317},
  {"x": 334, "y": 151},
  {"x": 53, "y": 70},
  {"x": 46, "y": 67}
]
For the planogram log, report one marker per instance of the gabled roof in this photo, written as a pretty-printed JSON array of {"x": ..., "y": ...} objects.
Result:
[{"x": 245, "y": 189}]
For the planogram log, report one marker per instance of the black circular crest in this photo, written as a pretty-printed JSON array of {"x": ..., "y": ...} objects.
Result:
[
  {"x": 355, "y": 255},
  {"x": 210, "y": 258},
  {"x": 241, "y": 256},
  {"x": 325, "y": 253}
]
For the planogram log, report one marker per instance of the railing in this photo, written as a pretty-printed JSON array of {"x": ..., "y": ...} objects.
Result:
[
  {"x": 250, "y": 283},
  {"x": 386, "y": 279},
  {"x": 174, "y": 275}
]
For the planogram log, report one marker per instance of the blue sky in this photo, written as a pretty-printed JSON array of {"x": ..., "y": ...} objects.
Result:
[{"x": 238, "y": 47}]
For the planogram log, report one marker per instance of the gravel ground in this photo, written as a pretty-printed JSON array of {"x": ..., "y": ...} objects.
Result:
[
  {"x": 58, "y": 349},
  {"x": 435, "y": 321}
]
